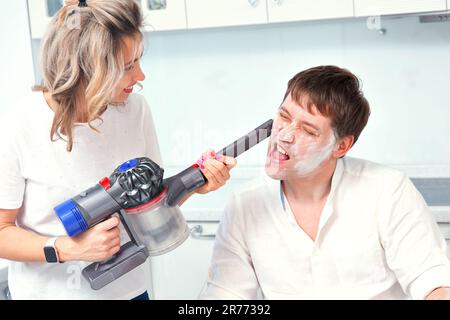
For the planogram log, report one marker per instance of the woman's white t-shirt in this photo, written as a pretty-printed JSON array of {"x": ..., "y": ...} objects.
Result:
[{"x": 36, "y": 174}]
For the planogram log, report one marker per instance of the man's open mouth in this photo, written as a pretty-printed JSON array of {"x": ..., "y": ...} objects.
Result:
[{"x": 280, "y": 153}]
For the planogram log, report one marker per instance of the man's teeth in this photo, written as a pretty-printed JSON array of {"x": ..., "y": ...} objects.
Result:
[{"x": 282, "y": 151}]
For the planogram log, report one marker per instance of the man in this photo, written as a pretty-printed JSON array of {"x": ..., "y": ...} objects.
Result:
[{"x": 325, "y": 226}]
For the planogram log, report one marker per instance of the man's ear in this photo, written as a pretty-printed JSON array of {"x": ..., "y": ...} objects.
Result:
[{"x": 343, "y": 145}]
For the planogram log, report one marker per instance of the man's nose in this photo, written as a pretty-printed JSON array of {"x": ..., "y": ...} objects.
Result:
[{"x": 287, "y": 135}]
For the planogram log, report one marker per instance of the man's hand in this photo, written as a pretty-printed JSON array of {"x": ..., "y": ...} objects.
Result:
[{"x": 442, "y": 293}]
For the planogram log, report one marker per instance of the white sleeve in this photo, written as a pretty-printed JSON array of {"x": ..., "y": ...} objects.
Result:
[
  {"x": 231, "y": 274},
  {"x": 12, "y": 183},
  {"x": 415, "y": 249},
  {"x": 150, "y": 137}
]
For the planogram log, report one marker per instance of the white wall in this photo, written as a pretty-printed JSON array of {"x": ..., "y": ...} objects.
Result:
[
  {"x": 208, "y": 87},
  {"x": 16, "y": 66},
  {"x": 227, "y": 81},
  {"x": 16, "y": 63}
]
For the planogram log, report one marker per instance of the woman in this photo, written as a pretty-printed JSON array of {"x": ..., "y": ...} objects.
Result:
[{"x": 90, "y": 64}]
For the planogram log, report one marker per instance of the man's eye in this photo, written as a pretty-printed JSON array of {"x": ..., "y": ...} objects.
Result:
[
  {"x": 283, "y": 116},
  {"x": 311, "y": 133}
]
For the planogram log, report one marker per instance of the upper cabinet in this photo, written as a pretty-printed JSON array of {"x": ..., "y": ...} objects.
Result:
[
  {"x": 159, "y": 14},
  {"x": 385, "y": 7},
  {"x": 163, "y": 15},
  {"x": 301, "y": 10},
  {"x": 40, "y": 13},
  {"x": 219, "y": 13}
]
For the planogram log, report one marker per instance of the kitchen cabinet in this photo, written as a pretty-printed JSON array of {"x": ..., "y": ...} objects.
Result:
[
  {"x": 445, "y": 230},
  {"x": 219, "y": 13},
  {"x": 386, "y": 7},
  {"x": 298, "y": 10},
  {"x": 40, "y": 13},
  {"x": 161, "y": 15},
  {"x": 182, "y": 273},
  {"x": 442, "y": 217},
  {"x": 3, "y": 279}
]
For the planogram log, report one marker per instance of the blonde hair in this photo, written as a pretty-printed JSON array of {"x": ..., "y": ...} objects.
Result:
[{"x": 82, "y": 60}]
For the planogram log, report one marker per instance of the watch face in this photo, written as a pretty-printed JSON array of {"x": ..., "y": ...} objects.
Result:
[{"x": 50, "y": 254}]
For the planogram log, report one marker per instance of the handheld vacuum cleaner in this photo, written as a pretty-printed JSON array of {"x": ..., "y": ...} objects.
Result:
[{"x": 147, "y": 205}]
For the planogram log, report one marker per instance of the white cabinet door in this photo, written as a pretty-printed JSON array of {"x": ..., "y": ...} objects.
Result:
[
  {"x": 384, "y": 7},
  {"x": 445, "y": 230},
  {"x": 40, "y": 12},
  {"x": 442, "y": 217},
  {"x": 297, "y": 10},
  {"x": 220, "y": 13},
  {"x": 4, "y": 291},
  {"x": 163, "y": 15},
  {"x": 3, "y": 270},
  {"x": 182, "y": 273}
]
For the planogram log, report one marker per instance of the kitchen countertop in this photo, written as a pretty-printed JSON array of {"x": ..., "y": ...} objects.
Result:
[
  {"x": 433, "y": 182},
  {"x": 435, "y": 191}
]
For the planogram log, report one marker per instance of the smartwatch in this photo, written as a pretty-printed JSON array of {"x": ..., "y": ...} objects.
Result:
[{"x": 50, "y": 252}]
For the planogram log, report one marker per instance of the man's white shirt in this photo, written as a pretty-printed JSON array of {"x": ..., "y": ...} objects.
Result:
[{"x": 377, "y": 239}]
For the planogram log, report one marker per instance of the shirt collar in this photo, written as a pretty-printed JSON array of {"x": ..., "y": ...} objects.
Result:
[{"x": 338, "y": 171}]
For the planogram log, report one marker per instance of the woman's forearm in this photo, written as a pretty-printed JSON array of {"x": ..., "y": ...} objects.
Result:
[{"x": 21, "y": 245}]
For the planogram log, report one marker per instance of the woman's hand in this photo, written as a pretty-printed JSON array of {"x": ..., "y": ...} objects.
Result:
[
  {"x": 216, "y": 169},
  {"x": 96, "y": 244}
]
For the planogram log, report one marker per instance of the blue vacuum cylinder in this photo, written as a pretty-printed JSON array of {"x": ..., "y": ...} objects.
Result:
[
  {"x": 133, "y": 183},
  {"x": 86, "y": 209}
]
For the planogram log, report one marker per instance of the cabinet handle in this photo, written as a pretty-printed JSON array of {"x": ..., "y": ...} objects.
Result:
[
  {"x": 278, "y": 2},
  {"x": 253, "y": 3},
  {"x": 197, "y": 233},
  {"x": 157, "y": 4}
]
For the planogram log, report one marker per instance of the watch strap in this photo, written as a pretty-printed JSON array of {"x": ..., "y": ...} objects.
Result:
[{"x": 50, "y": 251}]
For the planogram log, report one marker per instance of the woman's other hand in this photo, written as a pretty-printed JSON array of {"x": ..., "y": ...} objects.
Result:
[{"x": 96, "y": 244}]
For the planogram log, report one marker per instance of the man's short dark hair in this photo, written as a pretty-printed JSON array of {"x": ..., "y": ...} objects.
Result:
[{"x": 336, "y": 93}]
